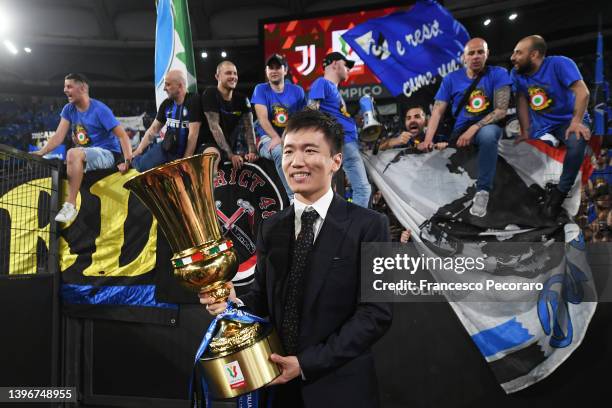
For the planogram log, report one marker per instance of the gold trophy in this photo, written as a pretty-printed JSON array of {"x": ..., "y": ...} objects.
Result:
[{"x": 180, "y": 196}]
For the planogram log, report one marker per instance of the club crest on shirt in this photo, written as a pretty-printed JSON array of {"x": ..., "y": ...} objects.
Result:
[
  {"x": 280, "y": 116},
  {"x": 538, "y": 98},
  {"x": 80, "y": 135},
  {"x": 478, "y": 102}
]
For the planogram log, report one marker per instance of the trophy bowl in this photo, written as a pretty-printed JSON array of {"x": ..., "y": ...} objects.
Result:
[{"x": 180, "y": 196}]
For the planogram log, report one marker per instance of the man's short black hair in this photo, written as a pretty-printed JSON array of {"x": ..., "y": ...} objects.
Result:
[
  {"x": 78, "y": 78},
  {"x": 538, "y": 44},
  {"x": 317, "y": 120},
  {"x": 415, "y": 107}
]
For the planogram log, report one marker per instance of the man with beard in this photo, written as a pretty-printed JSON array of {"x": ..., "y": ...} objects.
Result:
[
  {"x": 275, "y": 101},
  {"x": 551, "y": 99},
  {"x": 415, "y": 121},
  {"x": 179, "y": 115},
  {"x": 475, "y": 121},
  {"x": 324, "y": 96},
  {"x": 223, "y": 111},
  {"x": 98, "y": 136}
]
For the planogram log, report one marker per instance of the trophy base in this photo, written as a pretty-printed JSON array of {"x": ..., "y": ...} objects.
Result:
[{"x": 245, "y": 370}]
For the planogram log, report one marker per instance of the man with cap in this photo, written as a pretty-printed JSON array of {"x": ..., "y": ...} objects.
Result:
[
  {"x": 275, "y": 101},
  {"x": 324, "y": 95}
]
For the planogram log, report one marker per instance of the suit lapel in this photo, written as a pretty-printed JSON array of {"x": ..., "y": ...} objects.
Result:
[{"x": 326, "y": 247}]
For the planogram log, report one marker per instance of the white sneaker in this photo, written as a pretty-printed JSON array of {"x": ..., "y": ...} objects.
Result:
[
  {"x": 67, "y": 213},
  {"x": 479, "y": 204}
]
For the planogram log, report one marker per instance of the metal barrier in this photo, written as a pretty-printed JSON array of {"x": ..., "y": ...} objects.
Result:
[{"x": 29, "y": 200}]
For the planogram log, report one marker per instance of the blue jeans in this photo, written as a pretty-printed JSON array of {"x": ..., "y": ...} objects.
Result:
[
  {"x": 276, "y": 155},
  {"x": 487, "y": 139},
  {"x": 356, "y": 173},
  {"x": 573, "y": 156},
  {"x": 152, "y": 157}
]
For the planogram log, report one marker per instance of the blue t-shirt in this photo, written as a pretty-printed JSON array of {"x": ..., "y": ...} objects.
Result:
[
  {"x": 551, "y": 101},
  {"x": 280, "y": 105},
  {"x": 331, "y": 102},
  {"x": 93, "y": 128},
  {"x": 177, "y": 119},
  {"x": 480, "y": 101}
]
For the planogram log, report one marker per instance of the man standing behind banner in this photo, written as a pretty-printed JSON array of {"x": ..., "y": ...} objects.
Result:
[
  {"x": 96, "y": 132},
  {"x": 178, "y": 113},
  {"x": 415, "y": 121},
  {"x": 307, "y": 278},
  {"x": 324, "y": 95},
  {"x": 551, "y": 92},
  {"x": 223, "y": 110},
  {"x": 476, "y": 115},
  {"x": 275, "y": 101}
]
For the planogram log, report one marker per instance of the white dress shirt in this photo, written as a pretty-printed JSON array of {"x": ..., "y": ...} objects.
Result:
[{"x": 321, "y": 206}]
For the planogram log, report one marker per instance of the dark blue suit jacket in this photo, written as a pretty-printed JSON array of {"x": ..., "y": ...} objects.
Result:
[{"x": 336, "y": 329}]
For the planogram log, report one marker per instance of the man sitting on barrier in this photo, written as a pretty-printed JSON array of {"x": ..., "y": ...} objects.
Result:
[
  {"x": 92, "y": 125},
  {"x": 178, "y": 114},
  {"x": 275, "y": 101},
  {"x": 415, "y": 121},
  {"x": 222, "y": 110},
  {"x": 551, "y": 100},
  {"x": 470, "y": 92}
]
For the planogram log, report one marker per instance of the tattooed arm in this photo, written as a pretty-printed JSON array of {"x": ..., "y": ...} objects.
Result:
[
  {"x": 501, "y": 100},
  {"x": 249, "y": 133},
  {"x": 437, "y": 113},
  {"x": 217, "y": 132}
]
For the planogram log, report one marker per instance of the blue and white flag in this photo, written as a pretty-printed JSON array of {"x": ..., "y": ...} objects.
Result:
[
  {"x": 524, "y": 339},
  {"x": 173, "y": 46},
  {"x": 410, "y": 49}
]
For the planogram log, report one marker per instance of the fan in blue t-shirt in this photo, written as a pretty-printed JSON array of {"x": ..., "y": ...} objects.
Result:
[
  {"x": 274, "y": 103},
  {"x": 478, "y": 97},
  {"x": 98, "y": 137},
  {"x": 551, "y": 99}
]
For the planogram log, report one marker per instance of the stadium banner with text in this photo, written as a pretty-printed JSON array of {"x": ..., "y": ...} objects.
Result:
[{"x": 410, "y": 49}]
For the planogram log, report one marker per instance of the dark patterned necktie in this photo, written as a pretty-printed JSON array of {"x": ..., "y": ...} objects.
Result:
[{"x": 290, "y": 327}]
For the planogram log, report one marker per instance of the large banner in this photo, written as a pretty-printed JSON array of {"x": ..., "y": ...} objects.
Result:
[
  {"x": 430, "y": 194},
  {"x": 173, "y": 45},
  {"x": 409, "y": 50},
  {"x": 115, "y": 261}
]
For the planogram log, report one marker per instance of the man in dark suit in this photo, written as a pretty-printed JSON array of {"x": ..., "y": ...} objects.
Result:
[{"x": 308, "y": 277}]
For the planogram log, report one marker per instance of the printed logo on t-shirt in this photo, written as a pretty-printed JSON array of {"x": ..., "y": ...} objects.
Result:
[
  {"x": 81, "y": 137},
  {"x": 478, "y": 101},
  {"x": 538, "y": 98},
  {"x": 234, "y": 375},
  {"x": 280, "y": 116}
]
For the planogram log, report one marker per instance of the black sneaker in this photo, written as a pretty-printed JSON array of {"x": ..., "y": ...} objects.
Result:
[{"x": 553, "y": 203}]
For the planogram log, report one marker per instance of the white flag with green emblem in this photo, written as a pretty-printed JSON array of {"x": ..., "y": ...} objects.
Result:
[{"x": 173, "y": 46}]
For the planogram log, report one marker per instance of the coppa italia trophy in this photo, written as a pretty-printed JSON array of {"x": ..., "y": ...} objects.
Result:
[{"x": 235, "y": 351}]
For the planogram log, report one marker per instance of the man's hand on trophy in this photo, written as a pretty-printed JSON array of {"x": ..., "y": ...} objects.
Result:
[
  {"x": 290, "y": 368},
  {"x": 213, "y": 306}
]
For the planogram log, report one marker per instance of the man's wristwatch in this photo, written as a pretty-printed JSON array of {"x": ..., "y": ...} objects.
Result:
[{"x": 128, "y": 162}]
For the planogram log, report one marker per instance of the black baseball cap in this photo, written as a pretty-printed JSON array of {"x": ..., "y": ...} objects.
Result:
[
  {"x": 337, "y": 56},
  {"x": 278, "y": 59}
]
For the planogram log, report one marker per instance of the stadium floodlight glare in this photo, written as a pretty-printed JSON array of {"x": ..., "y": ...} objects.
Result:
[
  {"x": 5, "y": 22},
  {"x": 512, "y": 16},
  {"x": 204, "y": 54},
  {"x": 27, "y": 49},
  {"x": 11, "y": 47},
  {"x": 223, "y": 54},
  {"x": 487, "y": 22}
]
